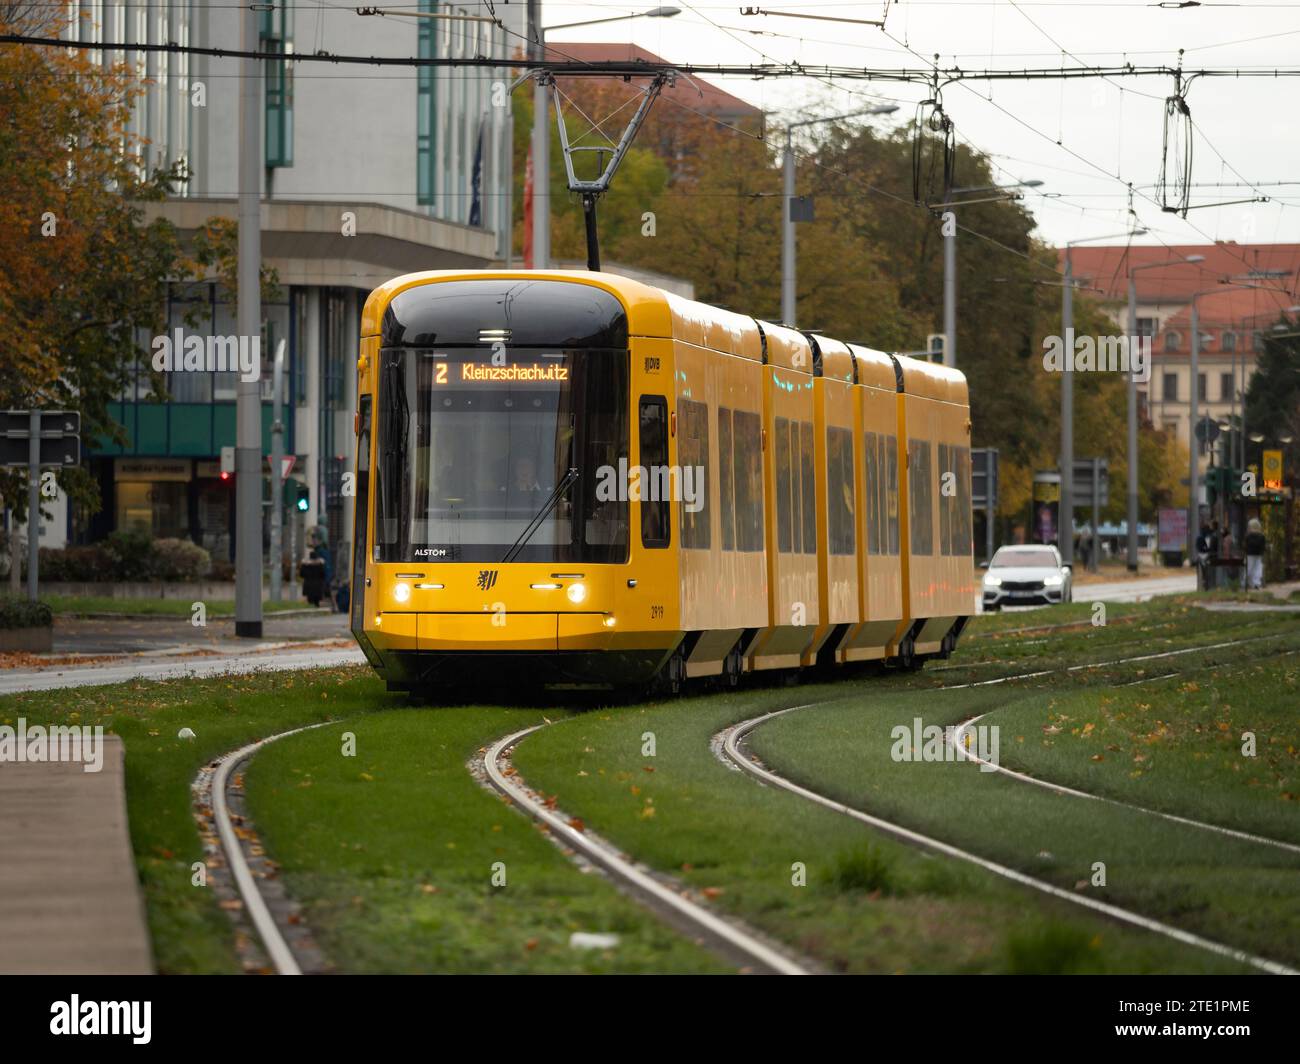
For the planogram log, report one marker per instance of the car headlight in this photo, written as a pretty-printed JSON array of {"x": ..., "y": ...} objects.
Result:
[
  {"x": 993, "y": 581},
  {"x": 1052, "y": 581}
]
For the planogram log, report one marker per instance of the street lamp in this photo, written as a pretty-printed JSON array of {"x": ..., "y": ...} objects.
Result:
[
  {"x": 541, "y": 132},
  {"x": 1066, "y": 537},
  {"x": 787, "y": 203},
  {"x": 1132, "y": 401},
  {"x": 950, "y": 261}
]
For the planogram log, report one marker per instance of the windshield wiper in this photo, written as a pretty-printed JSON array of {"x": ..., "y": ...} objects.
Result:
[{"x": 540, "y": 516}]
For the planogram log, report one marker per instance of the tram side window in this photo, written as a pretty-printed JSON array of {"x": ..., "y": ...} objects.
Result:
[
  {"x": 921, "y": 480},
  {"x": 784, "y": 542},
  {"x": 726, "y": 496},
  {"x": 809, "y": 488},
  {"x": 872, "y": 500},
  {"x": 654, "y": 453},
  {"x": 946, "y": 501},
  {"x": 891, "y": 497},
  {"x": 748, "y": 476},
  {"x": 839, "y": 485},
  {"x": 962, "y": 542},
  {"x": 693, "y": 453}
]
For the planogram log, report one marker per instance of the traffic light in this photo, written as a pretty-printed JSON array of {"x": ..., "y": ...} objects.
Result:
[{"x": 296, "y": 495}]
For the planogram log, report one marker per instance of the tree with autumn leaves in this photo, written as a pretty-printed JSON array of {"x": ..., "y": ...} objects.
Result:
[{"x": 83, "y": 274}]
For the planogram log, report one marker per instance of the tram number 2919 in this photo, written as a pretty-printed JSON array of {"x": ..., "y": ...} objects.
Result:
[{"x": 656, "y": 613}]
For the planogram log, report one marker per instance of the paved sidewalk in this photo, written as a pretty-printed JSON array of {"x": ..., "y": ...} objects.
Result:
[{"x": 70, "y": 902}]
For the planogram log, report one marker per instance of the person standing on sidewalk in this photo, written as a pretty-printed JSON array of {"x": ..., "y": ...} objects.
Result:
[
  {"x": 1204, "y": 551},
  {"x": 1255, "y": 544}
]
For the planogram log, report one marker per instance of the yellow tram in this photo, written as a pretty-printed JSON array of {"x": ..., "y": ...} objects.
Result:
[{"x": 574, "y": 477}]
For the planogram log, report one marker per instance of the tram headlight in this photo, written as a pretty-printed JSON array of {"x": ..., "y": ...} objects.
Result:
[
  {"x": 401, "y": 592},
  {"x": 576, "y": 593}
]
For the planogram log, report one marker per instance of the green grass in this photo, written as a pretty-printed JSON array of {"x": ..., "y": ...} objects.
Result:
[
  {"x": 70, "y": 605},
  {"x": 1002, "y": 645},
  {"x": 1225, "y": 889},
  {"x": 867, "y": 903},
  {"x": 1175, "y": 745},
  {"x": 395, "y": 870},
  {"x": 393, "y": 853}
]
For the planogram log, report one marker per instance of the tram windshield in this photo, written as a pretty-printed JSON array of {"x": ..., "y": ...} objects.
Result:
[{"x": 486, "y": 454}]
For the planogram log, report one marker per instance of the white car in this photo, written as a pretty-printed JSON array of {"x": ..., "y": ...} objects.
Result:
[{"x": 1029, "y": 575}]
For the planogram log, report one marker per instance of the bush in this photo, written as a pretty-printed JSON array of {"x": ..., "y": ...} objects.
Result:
[
  {"x": 130, "y": 556},
  {"x": 19, "y": 613},
  {"x": 75, "y": 564},
  {"x": 222, "y": 570},
  {"x": 180, "y": 559},
  {"x": 127, "y": 556}
]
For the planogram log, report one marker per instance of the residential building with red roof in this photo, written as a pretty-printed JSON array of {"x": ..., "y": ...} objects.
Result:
[{"x": 1233, "y": 321}]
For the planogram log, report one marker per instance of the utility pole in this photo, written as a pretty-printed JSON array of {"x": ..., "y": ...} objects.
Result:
[
  {"x": 787, "y": 233},
  {"x": 950, "y": 290},
  {"x": 1193, "y": 503},
  {"x": 948, "y": 223},
  {"x": 1065, "y": 537},
  {"x": 277, "y": 469},
  {"x": 1133, "y": 340},
  {"x": 789, "y": 310},
  {"x": 33, "y": 504},
  {"x": 248, "y": 410},
  {"x": 541, "y": 144},
  {"x": 1132, "y": 398}
]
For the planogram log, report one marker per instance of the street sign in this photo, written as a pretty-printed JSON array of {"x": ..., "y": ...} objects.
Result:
[
  {"x": 984, "y": 478},
  {"x": 54, "y": 423},
  {"x": 801, "y": 209},
  {"x": 286, "y": 465},
  {"x": 59, "y": 452},
  {"x": 984, "y": 490},
  {"x": 1272, "y": 470},
  {"x": 36, "y": 439},
  {"x": 60, "y": 442},
  {"x": 1082, "y": 492}
]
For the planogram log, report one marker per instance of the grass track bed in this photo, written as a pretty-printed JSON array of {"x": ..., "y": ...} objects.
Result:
[
  {"x": 870, "y": 904},
  {"x": 392, "y": 854},
  {"x": 1224, "y": 889}
]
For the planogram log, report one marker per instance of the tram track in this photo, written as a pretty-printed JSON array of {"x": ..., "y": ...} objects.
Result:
[
  {"x": 212, "y": 795},
  {"x": 659, "y": 893},
  {"x": 728, "y": 747},
  {"x": 662, "y": 896}
]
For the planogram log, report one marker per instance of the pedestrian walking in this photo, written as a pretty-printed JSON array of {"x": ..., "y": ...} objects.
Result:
[
  {"x": 1255, "y": 544},
  {"x": 1204, "y": 552},
  {"x": 1227, "y": 553}
]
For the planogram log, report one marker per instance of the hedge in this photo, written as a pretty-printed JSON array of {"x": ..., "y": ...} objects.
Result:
[
  {"x": 19, "y": 613},
  {"x": 127, "y": 556}
]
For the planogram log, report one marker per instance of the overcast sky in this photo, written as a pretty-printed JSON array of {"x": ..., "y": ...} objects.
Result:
[{"x": 1110, "y": 132}]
